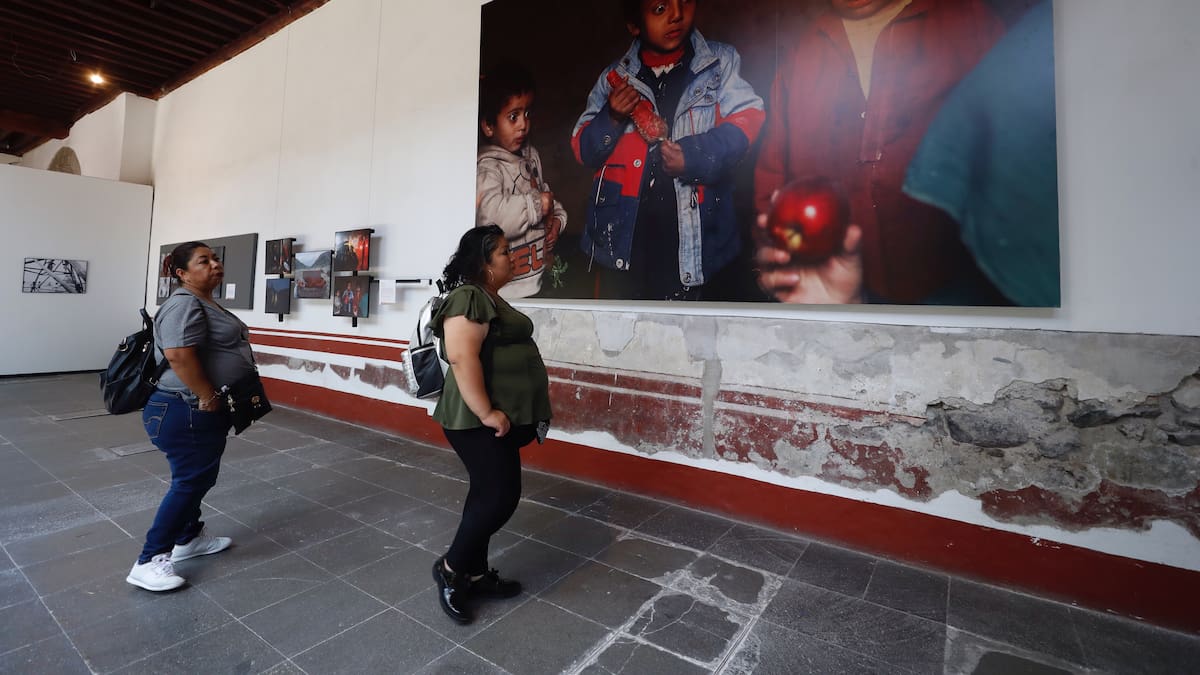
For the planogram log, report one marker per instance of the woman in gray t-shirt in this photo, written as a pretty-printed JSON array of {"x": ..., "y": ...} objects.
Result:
[{"x": 207, "y": 348}]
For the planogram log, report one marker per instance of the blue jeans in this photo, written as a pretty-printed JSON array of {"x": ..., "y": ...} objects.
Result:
[{"x": 193, "y": 441}]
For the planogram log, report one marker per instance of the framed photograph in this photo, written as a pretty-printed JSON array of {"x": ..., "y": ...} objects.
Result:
[
  {"x": 279, "y": 296},
  {"x": 279, "y": 256},
  {"x": 54, "y": 275},
  {"x": 312, "y": 272},
  {"x": 352, "y": 251},
  {"x": 352, "y": 296}
]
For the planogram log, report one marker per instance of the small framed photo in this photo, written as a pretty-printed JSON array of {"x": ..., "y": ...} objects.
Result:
[
  {"x": 312, "y": 272},
  {"x": 352, "y": 251},
  {"x": 352, "y": 296},
  {"x": 279, "y": 256},
  {"x": 279, "y": 296}
]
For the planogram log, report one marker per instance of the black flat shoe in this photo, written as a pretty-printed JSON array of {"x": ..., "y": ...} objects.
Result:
[
  {"x": 453, "y": 589},
  {"x": 491, "y": 585}
]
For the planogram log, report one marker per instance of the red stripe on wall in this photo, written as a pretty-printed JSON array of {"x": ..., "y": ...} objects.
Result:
[
  {"x": 1157, "y": 593},
  {"x": 309, "y": 333},
  {"x": 383, "y": 352}
]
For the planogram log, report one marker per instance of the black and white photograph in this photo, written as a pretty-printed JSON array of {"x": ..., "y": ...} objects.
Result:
[
  {"x": 54, "y": 275},
  {"x": 312, "y": 272},
  {"x": 279, "y": 296}
]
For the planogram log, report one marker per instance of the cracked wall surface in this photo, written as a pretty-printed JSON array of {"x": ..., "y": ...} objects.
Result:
[{"x": 1072, "y": 430}]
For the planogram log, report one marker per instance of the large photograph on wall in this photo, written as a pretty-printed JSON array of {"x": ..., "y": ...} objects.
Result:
[{"x": 801, "y": 151}]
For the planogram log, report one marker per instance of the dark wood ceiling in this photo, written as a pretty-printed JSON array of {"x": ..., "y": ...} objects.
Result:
[{"x": 49, "y": 48}]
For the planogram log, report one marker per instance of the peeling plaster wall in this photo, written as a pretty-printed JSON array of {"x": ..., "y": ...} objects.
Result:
[{"x": 1039, "y": 428}]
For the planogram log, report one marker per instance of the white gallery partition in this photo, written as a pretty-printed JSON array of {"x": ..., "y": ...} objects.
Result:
[{"x": 44, "y": 214}]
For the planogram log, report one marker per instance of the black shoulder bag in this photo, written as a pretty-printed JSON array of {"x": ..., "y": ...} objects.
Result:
[{"x": 132, "y": 373}]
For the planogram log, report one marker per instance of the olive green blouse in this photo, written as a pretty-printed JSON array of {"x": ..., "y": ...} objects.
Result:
[{"x": 513, "y": 372}]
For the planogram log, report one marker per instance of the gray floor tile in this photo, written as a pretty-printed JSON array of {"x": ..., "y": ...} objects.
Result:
[
  {"x": 363, "y": 468},
  {"x": 688, "y": 626},
  {"x": 834, "y": 568},
  {"x": 967, "y": 653},
  {"x": 272, "y": 466},
  {"x": 304, "y": 620},
  {"x": 232, "y": 648},
  {"x": 148, "y": 630},
  {"x": 277, "y": 437},
  {"x": 460, "y": 662},
  {"x": 685, "y": 526},
  {"x": 762, "y": 548},
  {"x": 267, "y": 514},
  {"x": 324, "y": 453},
  {"x": 119, "y": 500},
  {"x": 14, "y": 589},
  {"x": 531, "y": 518},
  {"x": 389, "y": 642},
  {"x": 909, "y": 589},
  {"x": 252, "y": 589},
  {"x": 533, "y": 482},
  {"x": 622, "y": 509},
  {"x": 52, "y": 655},
  {"x": 25, "y": 623},
  {"x": 1020, "y": 620},
  {"x": 903, "y": 640},
  {"x": 646, "y": 559},
  {"x": 500, "y": 542},
  {"x": 536, "y": 565},
  {"x": 237, "y": 449},
  {"x": 420, "y": 524},
  {"x": 24, "y": 520},
  {"x": 601, "y": 593},
  {"x": 771, "y": 649},
  {"x": 229, "y": 498},
  {"x": 741, "y": 585},
  {"x": 579, "y": 535},
  {"x": 249, "y": 549},
  {"x": 569, "y": 495},
  {"x": 530, "y": 626},
  {"x": 327, "y": 487},
  {"x": 348, "y": 552},
  {"x": 64, "y": 542},
  {"x": 310, "y": 529},
  {"x": 396, "y": 578},
  {"x": 77, "y": 568},
  {"x": 285, "y": 668},
  {"x": 98, "y": 600},
  {"x": 1118, "y": 645},
  {"x": 378, "y": 507},
  {"x": 107, "y": 474},
  {"x": 626, "y": 657}
]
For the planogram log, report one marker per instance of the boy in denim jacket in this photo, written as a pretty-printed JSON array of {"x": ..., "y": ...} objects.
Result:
[{"x": 660, "y": 217}]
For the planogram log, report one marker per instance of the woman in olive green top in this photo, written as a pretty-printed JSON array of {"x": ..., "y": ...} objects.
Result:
[{"x": 495, "y": 397}]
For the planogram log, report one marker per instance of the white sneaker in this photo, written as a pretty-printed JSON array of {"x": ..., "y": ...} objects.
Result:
[
  {"x": 156, "y": 575},
  {"x": 201, "y": 545}
]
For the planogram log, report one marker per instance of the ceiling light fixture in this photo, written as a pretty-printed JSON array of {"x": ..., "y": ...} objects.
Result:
[{"x": 96, "y": 78}]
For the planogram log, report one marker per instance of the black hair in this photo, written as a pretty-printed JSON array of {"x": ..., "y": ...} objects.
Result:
[
  {"x": 182, "y": 255},
  {"x": 475, "y": 249},
  {"x": 502, "y": 82},
  {"x": 632, "y": 11}
]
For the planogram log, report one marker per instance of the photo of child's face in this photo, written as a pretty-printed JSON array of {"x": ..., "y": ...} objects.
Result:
[
  {"x": 512, "y": 124},
  {"x": 665, "y": 24}
]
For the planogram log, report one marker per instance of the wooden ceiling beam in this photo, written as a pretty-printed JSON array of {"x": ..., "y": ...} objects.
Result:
[
  {"x": 31, "y": 124},
  {"x": 173, "y": 14},
  {"x": 230, "y": 14},
  {"x": 142, "y": 24},
  {"x": 45, "y": 65},
  {"x": 94, "y": 21},
  {"x": 262, "y": 32},
  {"x": 56, "y": 34}
]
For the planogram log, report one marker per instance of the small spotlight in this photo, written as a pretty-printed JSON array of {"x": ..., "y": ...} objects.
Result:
[{"x": 96, "y": 78}]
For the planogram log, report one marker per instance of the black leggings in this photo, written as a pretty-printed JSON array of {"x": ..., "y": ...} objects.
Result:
[{"x": 494, "y": 466}]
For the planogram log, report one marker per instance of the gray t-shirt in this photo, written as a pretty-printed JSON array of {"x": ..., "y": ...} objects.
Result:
[{"x": 221, "y": 340}]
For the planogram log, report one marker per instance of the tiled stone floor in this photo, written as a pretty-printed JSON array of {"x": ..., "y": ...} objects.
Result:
[{"x": 336, "y": 527}]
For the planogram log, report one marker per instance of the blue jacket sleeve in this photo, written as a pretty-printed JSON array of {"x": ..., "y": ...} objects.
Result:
[
  {"x": 596, "y": 133},
  {"x": 709, "y": 155}
]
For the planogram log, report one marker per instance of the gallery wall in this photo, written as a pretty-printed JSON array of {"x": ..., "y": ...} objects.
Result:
[
  {"x": 55, "y": 215},
  {"x": 362, "y": 114}
]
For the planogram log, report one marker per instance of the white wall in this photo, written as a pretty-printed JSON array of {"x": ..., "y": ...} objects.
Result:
[
  {"x": 113, "y": 142},
  {"x": 46, "y": 214}
]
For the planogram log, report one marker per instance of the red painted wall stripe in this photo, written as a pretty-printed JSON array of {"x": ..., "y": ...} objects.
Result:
[
  {"x": 384, "y": 352},
  {"x": 1156, "y": 593},
  {"x": 314, "y": 334}
]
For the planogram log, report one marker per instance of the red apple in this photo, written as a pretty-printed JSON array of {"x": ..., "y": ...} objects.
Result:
[{"x": 808, "y": 219}]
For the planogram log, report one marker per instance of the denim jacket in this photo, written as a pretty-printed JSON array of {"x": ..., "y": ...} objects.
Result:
[{"x": 717, "y": 120}]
